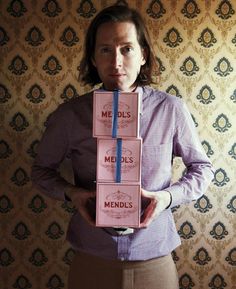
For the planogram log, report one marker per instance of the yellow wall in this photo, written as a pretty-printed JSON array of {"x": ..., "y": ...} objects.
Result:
[{"x": 195, "y": 42}]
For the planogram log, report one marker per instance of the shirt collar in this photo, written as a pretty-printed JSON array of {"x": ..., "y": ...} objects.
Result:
[{"x": 139, "y": 90}]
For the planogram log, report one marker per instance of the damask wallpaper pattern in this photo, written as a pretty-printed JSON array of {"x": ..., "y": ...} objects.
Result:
[{"x": 40, "y": 49}]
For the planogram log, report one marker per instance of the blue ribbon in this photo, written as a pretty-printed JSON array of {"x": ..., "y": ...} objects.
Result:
[
  {"x": 118, "y": 159},
  {"x": 115, "y": 105}
]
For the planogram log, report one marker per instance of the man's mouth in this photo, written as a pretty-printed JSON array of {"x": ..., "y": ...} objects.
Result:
[{"x": 117, "y": 74}]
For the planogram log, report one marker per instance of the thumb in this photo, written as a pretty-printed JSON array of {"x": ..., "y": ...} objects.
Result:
[{"x": 147, "y": 194}]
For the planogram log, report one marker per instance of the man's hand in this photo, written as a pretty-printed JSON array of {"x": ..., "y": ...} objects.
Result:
[
  {"x": 159, "y": 201},
  {"x": 80, "y": 199}
]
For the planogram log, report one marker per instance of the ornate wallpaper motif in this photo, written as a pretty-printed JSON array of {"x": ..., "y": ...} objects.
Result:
[{"x": 40, "y": 50}]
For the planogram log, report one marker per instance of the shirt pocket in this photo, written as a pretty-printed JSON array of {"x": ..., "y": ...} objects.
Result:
[{"x": 156, "y": 165}]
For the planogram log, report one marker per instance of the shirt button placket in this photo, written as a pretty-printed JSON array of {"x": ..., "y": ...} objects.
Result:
[{"x": 123, "y": 247}]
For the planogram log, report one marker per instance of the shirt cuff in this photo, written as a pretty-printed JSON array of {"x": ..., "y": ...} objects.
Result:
[{"x": 170, "y": 200}]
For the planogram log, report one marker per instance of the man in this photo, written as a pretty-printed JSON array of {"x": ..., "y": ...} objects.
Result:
[{"x": 118, "y": 54}]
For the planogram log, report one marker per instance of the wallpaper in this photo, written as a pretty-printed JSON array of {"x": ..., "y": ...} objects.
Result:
[{"x": 40, "y": 50}]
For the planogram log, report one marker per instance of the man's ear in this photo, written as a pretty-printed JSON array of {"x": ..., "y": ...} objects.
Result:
[{"x": 144, "y": 56}]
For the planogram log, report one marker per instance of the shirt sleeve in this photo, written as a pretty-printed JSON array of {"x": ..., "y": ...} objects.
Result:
[
  {"x": 52, "y": 150},
  {"x": 199, "y": 171}
]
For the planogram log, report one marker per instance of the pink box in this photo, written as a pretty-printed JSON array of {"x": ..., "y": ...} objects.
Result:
[
  {"x": 128, "y": 114},
  {"x": 118, "y": 205},
  {"x": 130, "y": 160}
]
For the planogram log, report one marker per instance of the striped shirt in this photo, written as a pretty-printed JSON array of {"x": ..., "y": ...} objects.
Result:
[{"x": 167, "y": 131}]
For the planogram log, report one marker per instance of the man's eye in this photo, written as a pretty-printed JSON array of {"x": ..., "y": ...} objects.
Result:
[
  {"x": 105, "y": 50},
  {"x": 127, "y": 49}
]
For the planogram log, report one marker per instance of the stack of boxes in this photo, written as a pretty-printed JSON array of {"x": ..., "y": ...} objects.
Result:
[{"x": 116, "y": 127}]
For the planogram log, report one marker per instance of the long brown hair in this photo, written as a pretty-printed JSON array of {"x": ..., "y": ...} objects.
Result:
[{"x": 117, "y": 13}]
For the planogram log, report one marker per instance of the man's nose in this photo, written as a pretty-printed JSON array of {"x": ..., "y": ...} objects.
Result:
[{"x": 117, "y": 58}]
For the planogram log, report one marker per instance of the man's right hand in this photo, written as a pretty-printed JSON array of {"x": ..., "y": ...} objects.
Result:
[{"x": 80, "y": 198}]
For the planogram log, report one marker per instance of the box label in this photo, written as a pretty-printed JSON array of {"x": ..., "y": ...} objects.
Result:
[
  {"x": 118, "y": 205},
  {"x": 130, "y": 160},
  {"x": 127, "y": 115}
]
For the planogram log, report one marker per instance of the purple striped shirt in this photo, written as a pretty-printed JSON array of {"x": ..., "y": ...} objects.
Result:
[{"x": 167, "y": 130}]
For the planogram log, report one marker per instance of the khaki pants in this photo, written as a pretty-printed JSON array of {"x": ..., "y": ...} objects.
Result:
[{"x": 91, "y": 272}]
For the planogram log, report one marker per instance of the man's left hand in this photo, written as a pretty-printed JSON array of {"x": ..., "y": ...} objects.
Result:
[{"x": 159, "y": 201}]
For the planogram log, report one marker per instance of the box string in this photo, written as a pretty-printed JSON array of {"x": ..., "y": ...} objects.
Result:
[
  {"x": 118, "y": 159},
  {"x": 115, "y": 105}
]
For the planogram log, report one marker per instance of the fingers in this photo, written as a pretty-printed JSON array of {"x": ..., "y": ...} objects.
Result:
[
  {"x": 153, "y": 209},
  {"x": 149, "y": 214},
  {"x": 85, "y": 203},
  {"x": 87, "y": 217}
]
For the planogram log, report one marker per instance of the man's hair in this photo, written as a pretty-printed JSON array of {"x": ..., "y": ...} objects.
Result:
[{"x": 117, "y": 13}]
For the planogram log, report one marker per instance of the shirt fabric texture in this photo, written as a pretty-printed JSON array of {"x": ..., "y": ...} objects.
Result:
[{"x": 167, "y": 131}]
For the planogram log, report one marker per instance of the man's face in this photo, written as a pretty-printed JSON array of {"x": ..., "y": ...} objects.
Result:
[{"x": 118, "y": 55}]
